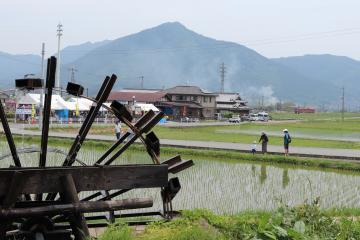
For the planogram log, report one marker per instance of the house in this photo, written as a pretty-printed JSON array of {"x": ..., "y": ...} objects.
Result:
[
  {"x": 138, "y": 101},
  {"x": 132, "y": 96},
  {"x": 188, "y": 101},
  {"x": 231, "y": 103},
  {"x": 183, "y": 101}
]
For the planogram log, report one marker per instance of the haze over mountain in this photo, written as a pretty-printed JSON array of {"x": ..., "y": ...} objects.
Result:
[
  {"x": 338, "y": 71},
  {"x": 16, "y": 66},
  {"x": 170, "y": 54},
  {"x": 72, "y": 53}
]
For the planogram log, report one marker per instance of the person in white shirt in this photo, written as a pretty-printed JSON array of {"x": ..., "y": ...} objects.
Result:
[
  {"x": 117, "y": 129},
  {"x": 253, "y": 147}
]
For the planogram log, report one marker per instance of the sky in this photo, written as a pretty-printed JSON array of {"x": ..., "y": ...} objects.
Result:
[{"x": 274, "y": 28}]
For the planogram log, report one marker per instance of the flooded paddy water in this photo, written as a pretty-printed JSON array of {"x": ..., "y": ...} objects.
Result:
[{"x": 229, "y": 186}]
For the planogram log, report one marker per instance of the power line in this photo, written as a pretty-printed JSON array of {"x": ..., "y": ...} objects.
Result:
[
  {"x": 268, "y": 41},
  {"x": 260, "y": 42}
]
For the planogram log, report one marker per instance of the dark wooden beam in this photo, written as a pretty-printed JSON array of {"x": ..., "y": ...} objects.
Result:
[
  {"x": 180, "y": 166},
  {"x": 81, "y": 207},
  {"x": 77, "y": 220},
  {"x": 50, "y": 81},
  {"x": 172, "y": 161},
  {"x": 89, "y": 178},
  {"x": 9, "y": 137},
  {"x": 14, "y": 189}
]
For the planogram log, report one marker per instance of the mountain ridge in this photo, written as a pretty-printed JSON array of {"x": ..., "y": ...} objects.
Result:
[{"x": 171, "y": 54}]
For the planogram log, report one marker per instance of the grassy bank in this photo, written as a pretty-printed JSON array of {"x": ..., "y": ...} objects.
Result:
[
  {"x": 306, "y": 221},
  {"x": 331, "y": 133},
  {"x": 316, "y": 116},
  {"x": 210, "y": 154}
]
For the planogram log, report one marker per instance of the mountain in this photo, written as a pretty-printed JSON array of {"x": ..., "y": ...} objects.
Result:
[
  {"x": 16, "y": 66},
  {"x": 74, "y": 52},
  {"x": 339, "y": 71},
  {"x": 170, "y": 54}
]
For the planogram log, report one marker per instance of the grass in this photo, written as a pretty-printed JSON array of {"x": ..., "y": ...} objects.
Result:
[
  {"x": 310, "y": 116},
  {"x": 246, "y": 133},
  {"x": 306, "y": 221},
  {"x": 213, "y": 154}
]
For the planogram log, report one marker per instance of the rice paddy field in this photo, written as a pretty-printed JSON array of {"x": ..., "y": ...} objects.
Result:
[{"x": 228, "y": 186}]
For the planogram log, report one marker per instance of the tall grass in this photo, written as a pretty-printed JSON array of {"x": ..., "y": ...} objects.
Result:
[{"x": 305, "y": 221}]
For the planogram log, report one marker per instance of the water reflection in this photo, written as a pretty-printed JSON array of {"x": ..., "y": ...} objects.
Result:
[
  {"x": 285, "y": 178},
  {"x": 253, "y": 170},
  {"x": 263, "y": 174}
]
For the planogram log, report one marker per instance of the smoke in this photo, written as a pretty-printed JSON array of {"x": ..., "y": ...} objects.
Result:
[{"x": 257, "y": 96}]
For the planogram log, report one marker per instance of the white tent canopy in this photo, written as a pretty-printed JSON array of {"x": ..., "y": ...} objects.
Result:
[
  {"x": 83, "y": 104},
  {"x": 57, "y": 102},
  {"x": 146, "y": 107}
]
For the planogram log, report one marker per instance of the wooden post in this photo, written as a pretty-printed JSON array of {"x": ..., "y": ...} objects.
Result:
[
  {"x": 111, "y": 217},
  {"x": 77, "y": 220},
  {"x": 14, "y": 190}
]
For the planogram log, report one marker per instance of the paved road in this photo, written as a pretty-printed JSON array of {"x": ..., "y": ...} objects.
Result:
[{"x": 300, "y": 151}]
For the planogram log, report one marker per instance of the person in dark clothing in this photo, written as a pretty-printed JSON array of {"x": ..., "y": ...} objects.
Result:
[
  {"x": 264, "y": 141},
  {"x": 287, "y": 141}
]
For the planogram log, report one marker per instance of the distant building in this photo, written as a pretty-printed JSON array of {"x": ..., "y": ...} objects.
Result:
[
  {"x": 189, "y": 101},
  {"x": 183, "y": 101},
  {"x": 231, "y": 102},
  {"x": 299, "y": 110},
  {"x": 4, "y": 96},
  {"x": 130, "y": 96}
]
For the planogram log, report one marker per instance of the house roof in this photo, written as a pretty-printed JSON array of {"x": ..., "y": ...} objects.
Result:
[
  {"x": 228, "y": 97},
  {"x": 232, "y": 107},
  {"x": 189, "y": 90},
  {"x": 180, "y": 104},
  {"x": 140, "y": 96},
  {"x": 140, "y": 90}
]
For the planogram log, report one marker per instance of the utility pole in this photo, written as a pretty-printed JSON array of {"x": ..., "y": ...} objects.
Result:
[
  {"x": 72, "y": 74},
  {"x": 42, "y": 89},
  {"x": 222, "y": 74},
  {"x": 59, "y": 34},
  {"x": 342, "y": 104},
  {"x": 141, "y": 82}
]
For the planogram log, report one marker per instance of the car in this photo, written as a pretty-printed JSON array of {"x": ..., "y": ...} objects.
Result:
[
  {"x": 263, "y": 116},
  {"x": 254, "y": 117},
  {"x": 235, "y": 119},
  {"x": 245, "y": 118}
]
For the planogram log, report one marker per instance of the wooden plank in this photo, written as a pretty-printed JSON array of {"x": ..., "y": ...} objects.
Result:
[
  {"x": 172, "y": 161},
  {"x": 88, "y": 178},
  {"x": 180, "y": 166},
  {"x": 77, "y": 220},
  {"x": 81, "y": 207}
]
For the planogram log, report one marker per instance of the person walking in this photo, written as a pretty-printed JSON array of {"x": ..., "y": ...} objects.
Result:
[
  {"x": 264, "y": 141},
  {"x": 117, "y": 129},
  {"x": 287, "y": 141}
]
